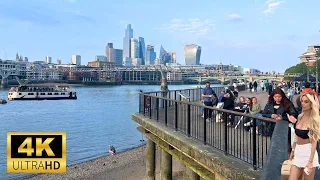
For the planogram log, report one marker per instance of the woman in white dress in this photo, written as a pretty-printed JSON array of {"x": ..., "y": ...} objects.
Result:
[{"x": 307, "y": 132}]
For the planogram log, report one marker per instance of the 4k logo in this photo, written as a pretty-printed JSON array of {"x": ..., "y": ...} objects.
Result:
[{"x": 36, "y": 152}]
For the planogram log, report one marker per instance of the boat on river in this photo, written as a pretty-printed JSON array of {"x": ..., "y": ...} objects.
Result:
[{"x": 41, "y": 92}]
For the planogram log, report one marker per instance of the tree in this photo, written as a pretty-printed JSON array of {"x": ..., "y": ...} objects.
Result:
[{"x": 299, "y": 68}]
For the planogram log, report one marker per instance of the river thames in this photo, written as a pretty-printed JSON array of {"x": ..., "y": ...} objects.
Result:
[{"x": 100, "y": 116}]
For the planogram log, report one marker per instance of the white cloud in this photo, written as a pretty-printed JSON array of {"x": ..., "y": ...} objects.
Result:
[
  {"x": 272, "y": 6},
  {"x": 234, "y": 17},
  {"x": 194, "y": 26}
]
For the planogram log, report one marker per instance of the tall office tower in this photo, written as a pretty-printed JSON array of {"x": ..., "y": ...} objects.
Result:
[
  {"x": 135, "y": 47},
  {"x": 192, "y": 54},
  {"x": 142, "y": 50},
  {"x": 110, "y": 52},
  {"x": 150, "y": 55},
  {"x": 76, "y": 59},
  {"x": 58, "y": 61},
  {"x": 118, "y": 57},
  {"x": 127, "y": 42},
  {"x": 173, "y": 57},
  {"x": 162, "y": 52},
  {"x": 48, "y": 59}
]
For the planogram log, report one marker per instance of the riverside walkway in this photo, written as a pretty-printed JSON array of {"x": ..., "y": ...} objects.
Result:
[{"x": 209, "y": 148}]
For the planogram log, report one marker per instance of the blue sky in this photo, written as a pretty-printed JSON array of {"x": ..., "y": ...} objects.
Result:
[{"x": 264, "y": 34}]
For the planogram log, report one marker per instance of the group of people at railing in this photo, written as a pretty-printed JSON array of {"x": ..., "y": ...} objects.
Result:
[{"x": 304, "y": 122}]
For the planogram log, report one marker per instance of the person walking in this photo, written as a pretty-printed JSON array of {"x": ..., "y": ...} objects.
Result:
[
  {"x": 250, "y": 86},
  {"x": 255, "y": 86},
  {"x": 261, "y": 86}
]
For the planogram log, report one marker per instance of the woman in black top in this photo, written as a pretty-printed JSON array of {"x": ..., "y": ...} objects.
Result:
[{"x": 279, "y": 107}]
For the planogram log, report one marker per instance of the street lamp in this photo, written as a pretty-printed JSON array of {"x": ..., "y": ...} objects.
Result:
[
  {"x": 317, "y": 51},
  {"x": 307, "y": 64}
]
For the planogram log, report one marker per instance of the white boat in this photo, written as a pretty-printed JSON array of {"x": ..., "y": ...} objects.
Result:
[{"x": 41, "y": 92}]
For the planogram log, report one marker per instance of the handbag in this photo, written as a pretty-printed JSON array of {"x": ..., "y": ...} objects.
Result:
[{"x": 285, "y": 168}]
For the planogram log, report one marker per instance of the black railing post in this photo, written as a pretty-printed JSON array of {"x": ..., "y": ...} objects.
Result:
[
  {"x": 144, "y": 105},
  {"x": 205, "y": 128},
  {"x": 166, "y": 112},
  {"x": 176, "y": 116},
  {"x": 157, "y": 106},
  {"x": 225, "y": 117},
  {"x": 150, "y": 107},
  {"x": 188, "y": 120},
  {"x": 254, "y": 145}
]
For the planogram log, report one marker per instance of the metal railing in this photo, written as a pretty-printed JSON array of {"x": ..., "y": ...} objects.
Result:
[
  {"x": 192, "y": 94},
  {"x": 212, "y": 128}
]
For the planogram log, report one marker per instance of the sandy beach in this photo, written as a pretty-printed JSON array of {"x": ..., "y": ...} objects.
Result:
[{"x": 127, "y": 165}]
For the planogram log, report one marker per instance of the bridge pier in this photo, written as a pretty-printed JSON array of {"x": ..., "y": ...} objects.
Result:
[
  {"x": 4, "y": 82},
  {"x": 166, "y": 165},
  {"x": 151, "y": 160}
]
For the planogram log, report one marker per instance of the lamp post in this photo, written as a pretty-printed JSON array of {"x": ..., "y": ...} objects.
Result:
[
  {"x": 307, "y": 64},
  {"x": 317, "y": 51}
]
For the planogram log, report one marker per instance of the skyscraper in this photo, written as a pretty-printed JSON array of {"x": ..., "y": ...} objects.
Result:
[
  {"x": 127, "y": 42},
  {"x": 162, "y": 52},
  {"x": 150, "y": 55},
  {"x": 48, "y": 59},
  {"x": 135, "y": 47},
  {"x": 114, "y": 55},
  {"x": 192, "y": 54},
  {"x": 174, "y": 57},
  {"x": 76, "y": 59},
  {"x": 110, "y": 52},
  {"x": 142, "y": 50},
  {"x": 118, "y": 57}
]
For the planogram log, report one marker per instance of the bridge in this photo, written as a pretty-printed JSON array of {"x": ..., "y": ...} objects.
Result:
[
  {"x": 207, "y": 148},
  {"x": 243, "y": 78}
]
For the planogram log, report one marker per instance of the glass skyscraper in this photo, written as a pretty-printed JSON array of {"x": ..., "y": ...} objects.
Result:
[
  {"x": 150, "y": 55},
  {"x": 127, "y": 42},
  {"x": 135, "y": 47},
  {"x": 192, "y": 54},
  {"x": 142, "y": 50},
  {"x": 162, "y": 52}
]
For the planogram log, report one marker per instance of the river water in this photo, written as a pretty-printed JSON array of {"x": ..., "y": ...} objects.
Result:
[{"x": 100, "y": 116}]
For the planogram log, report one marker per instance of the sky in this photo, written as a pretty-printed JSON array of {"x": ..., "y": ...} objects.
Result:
[{"x": 263, "y": 34}]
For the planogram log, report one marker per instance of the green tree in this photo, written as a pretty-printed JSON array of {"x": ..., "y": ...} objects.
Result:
[{"x": 299, "y": 68}]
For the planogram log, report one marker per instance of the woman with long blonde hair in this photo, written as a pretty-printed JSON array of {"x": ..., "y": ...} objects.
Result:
[{"x": 307, "y": 132}]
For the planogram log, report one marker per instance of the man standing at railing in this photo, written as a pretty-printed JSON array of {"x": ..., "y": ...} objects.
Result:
[{"x": 209, "y": 99}]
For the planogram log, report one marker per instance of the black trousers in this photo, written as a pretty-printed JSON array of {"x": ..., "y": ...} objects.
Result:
[{"x": 208, "y": 112}]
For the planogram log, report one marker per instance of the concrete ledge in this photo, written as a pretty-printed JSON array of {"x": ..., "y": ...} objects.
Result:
[
  {"x": 190, "y": 163},
  {"x": 208, "y": 157}
]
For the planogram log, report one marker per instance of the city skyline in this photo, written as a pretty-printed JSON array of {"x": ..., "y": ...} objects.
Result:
[{"x": 267, "y": 31}]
